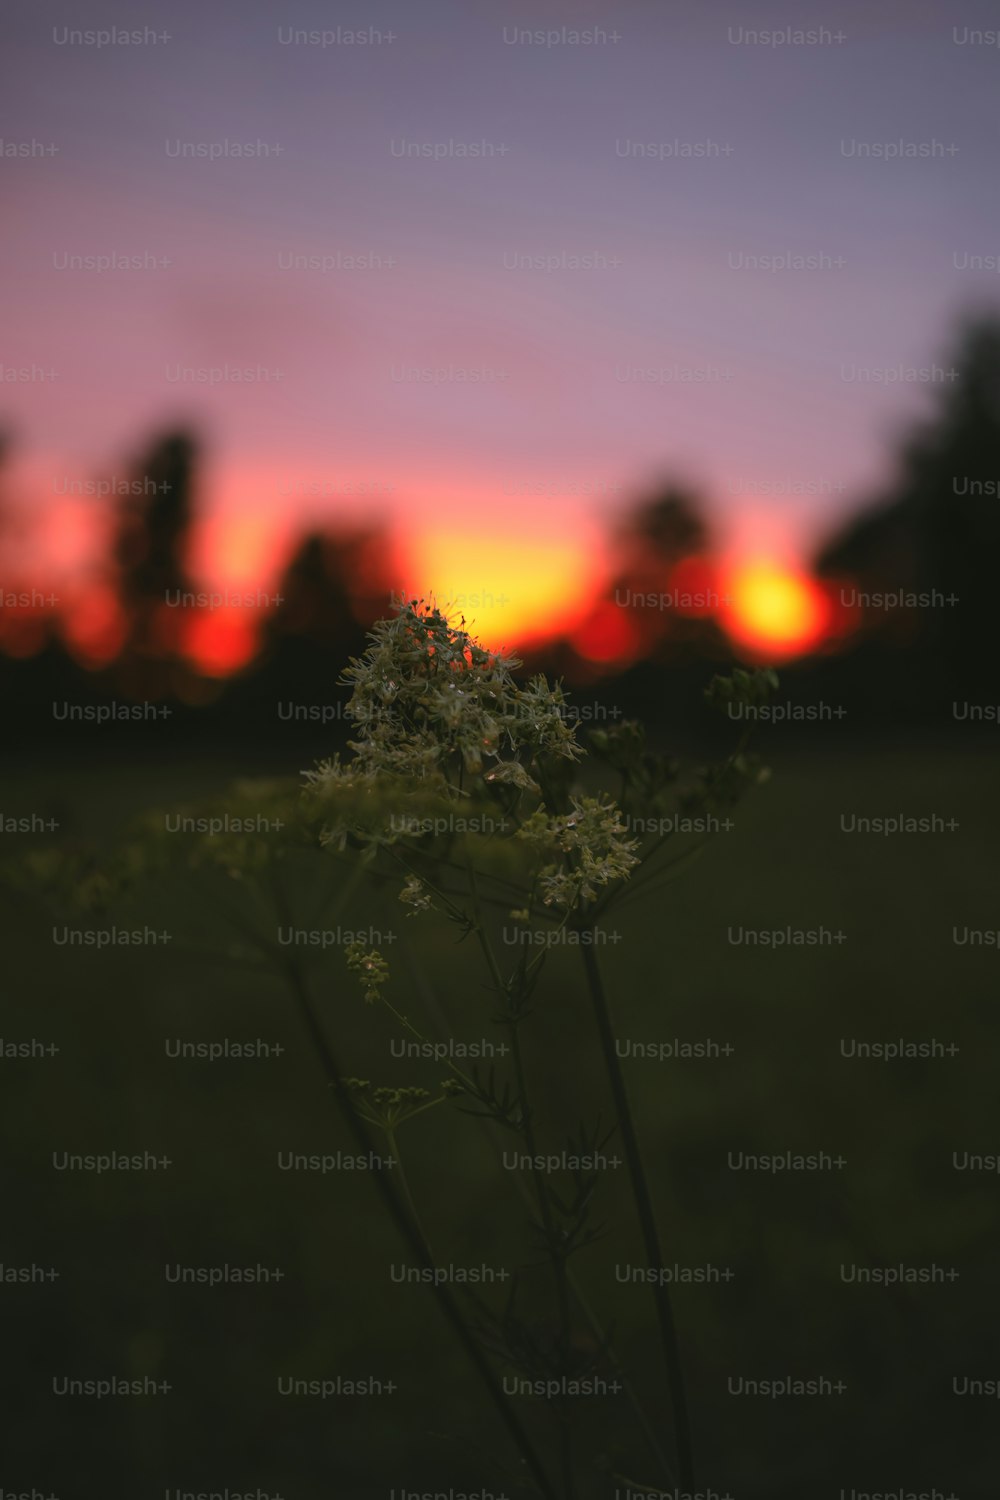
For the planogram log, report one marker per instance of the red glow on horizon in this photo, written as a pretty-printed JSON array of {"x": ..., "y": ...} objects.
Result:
[
  {"x": 520, "y": 578},
  {"x": 95, "y": 627},
  {"x": 607, "y": 636},
  {"x": 694, "y": 584},
  {"x": 219, "y": 642},
  {"x": 236, "y": 551}
]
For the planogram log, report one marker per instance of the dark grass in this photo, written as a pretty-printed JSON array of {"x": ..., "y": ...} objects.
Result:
[{"x": 672, "y": 975}]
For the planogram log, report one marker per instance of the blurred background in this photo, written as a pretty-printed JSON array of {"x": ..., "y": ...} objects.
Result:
[{"x": 649, "y": 341}]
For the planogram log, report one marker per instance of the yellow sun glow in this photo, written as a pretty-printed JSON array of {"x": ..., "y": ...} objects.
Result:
[
  {"x": 509, "y": 590},
  {"x": 773, "y": 607}
]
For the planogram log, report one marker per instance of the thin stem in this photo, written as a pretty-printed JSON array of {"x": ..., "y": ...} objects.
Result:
[
  {"x": 556, "y": 1252},
  {"x": 410, "y": 1233},
  {"x": 463, "y": 1077},
  {"x": 647, "y": 1219},
  {"x": 631, "y": 1395},
  {"x": 664, "y": 875},
  {"x": 443, "y": 1027},
  {"x": 599, "y": 907},
  {"x": 404, "y": 1184},
  {"x": 451, "y": 864},
  {"x": 408, "y": 1228},
  {"x": 454, "y": 911},
  {"x": 386, "y": 876}
]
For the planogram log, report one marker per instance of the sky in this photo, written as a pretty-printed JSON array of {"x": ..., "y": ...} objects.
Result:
[{"x": 489, "y": 286}]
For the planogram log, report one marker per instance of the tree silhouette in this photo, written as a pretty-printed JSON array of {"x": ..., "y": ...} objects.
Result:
[
  {"x": 153, "y": 528},
  {"x": 329, "y": 599},
  {"x": 154, "y": 524},
  {"x": 936, "y": 534},
  {"x": 665, "y": 527}
]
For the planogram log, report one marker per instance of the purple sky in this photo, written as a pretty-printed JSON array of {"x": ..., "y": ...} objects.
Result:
[{"x": 560, "y": 408}]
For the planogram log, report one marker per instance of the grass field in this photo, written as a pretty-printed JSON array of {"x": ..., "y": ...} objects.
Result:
[{"x": 673, "y": 975}]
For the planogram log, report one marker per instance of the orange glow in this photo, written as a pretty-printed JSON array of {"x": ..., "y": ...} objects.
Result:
[
  {"x": 607, "y": 636},
  {"x": 220, "y": 641},
  {"x": 236, "y": 551},
  {"x": 510, "y": 589},
  {"x": 95, "y": 629},
  {"x": 776, "y": 610},
  {"x": 694, "y": 585},
  {"x": 70, "y": 536},
  {"x": 521, "y": 572}
]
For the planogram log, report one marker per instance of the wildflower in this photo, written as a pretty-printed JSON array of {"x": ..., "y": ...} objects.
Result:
[
  {"x": 433, "y": 706},
  {"x": 415, "y": 894},
  {"x": 389, "y": 1107},
  {"x": 370, "y": 967},
  {"x": 511, "y": 773},
  {"x": 593, "y": 848}
]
